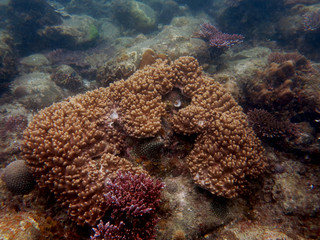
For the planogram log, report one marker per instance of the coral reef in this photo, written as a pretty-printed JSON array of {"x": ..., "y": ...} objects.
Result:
[
  {"x": 84, "y": 62},
  {"x": 8, "y": 57},
  {"x": 149, "y": 149},
  {"x": 225, "y": 143},
  {"x": 280, "y": 85},
  {"x": 65, "y": 76},
  {"x": 75, "y": 32},
  {"x": 300, "y": 61},
  {"x": 107, "y": 231},
  {"x": 114, "y": 71},
  {"x": 289, "y": 88},
  {"x": 34, "y": 63},
  {"x": 133, "y": 201},
  {"x": 149, "y": 57},
  {"x": 33, "y": 16},
  {"x": 267, "y": 125},
  {"x": 296, "y": 2},
  {"x": 311, "y": 21},
  {"x": 74, "y": 145},
  {"x": 13, "y": 124},
  {"x": 36, "y": 90},
  {"x": 161, "y": 118},
  {"x": 218, "y": 39},
  {"x": 18, "y": 178},
  {"x": 135, "y": 15}
]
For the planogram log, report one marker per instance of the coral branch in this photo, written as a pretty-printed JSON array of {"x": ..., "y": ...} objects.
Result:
[
  {"x": 133, "y": 200},
  {"x": 218, "y": 39}
]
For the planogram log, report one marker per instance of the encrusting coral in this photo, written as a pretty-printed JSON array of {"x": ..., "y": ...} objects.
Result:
[
  {"x": 73, "y": 146},
  {"x": 283, "y": 83}
]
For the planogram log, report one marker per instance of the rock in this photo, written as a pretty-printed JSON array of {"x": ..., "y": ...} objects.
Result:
[
  {"x": 93, "y": 8},
  {"x": 38, "y": 89},
  {"x": 66, "y": 77},
  {"x": 134, "y": 14},
  {"x": 192, "y": 209},
  {"x": 7, "y": 59},
  {"x": 108, "y": 31},
  {"x": 75, "y": 32},
  {"x": 173, "y": 41},
  {"x": 20, "y": 226},
  {"x": 165, "y": 9},
  {"x": 13, "y": 121},
  {"x": 33, "y": 15},
  {"x": 34, "y": 62},
  {"x": 3, "y": 13},
  {"x": 296, "y": 195},
  {"x": 244, "y": 64}
]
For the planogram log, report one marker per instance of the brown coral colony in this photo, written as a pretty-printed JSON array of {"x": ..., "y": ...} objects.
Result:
[{"x": 73, "y": 146}]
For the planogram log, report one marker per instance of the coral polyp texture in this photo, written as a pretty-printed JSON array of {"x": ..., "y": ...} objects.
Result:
[
  {"x": 18, "y": 178},
  {"x": 267, "y": 125},
  {"x": 73, "y": 146}
]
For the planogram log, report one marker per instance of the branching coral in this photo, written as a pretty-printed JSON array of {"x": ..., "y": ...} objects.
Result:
[
  {"x": 133, "y": 201},
  {"x": 73, "y": 146},
  {"x": 218, "y": 39},
  {"x": 267, "y": 125}
]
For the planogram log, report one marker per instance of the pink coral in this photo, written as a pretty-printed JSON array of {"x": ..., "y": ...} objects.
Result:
[
  {"x": 133, "y": 200},
  {"x": 218, "y": 39},
  {"x": 107, "y": 231}
]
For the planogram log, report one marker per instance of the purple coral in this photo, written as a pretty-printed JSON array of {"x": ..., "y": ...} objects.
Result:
[
  {"x": 133, "y": 200},
  {"x": 107, "y": 231},
  {"x": 218, "y": 39},
  {"x": 311, "y": 20}
]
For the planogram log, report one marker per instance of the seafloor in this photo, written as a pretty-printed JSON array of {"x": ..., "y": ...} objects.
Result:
[{"x": 51, "y": 50}]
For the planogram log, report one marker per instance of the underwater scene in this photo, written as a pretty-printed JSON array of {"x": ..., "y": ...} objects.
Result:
[{"x": 159, "y": 119}]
